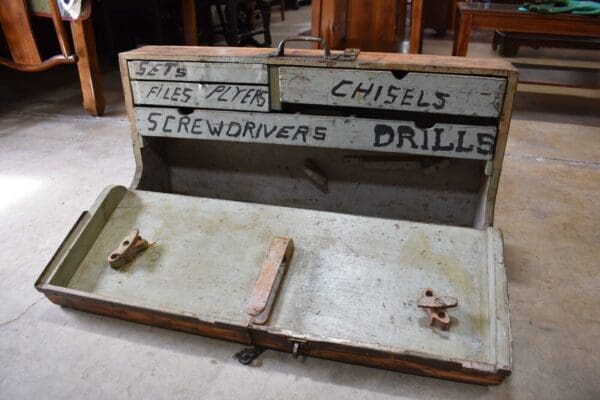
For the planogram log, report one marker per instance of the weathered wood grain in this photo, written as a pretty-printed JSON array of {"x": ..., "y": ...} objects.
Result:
[
  {"x": 182, "y": 285},
  {"x": 422, "y": 92},
  {"x": 308, "y": 58},
  {"x": 448, "y": 140},
  {"x": 198, "y": 72}
]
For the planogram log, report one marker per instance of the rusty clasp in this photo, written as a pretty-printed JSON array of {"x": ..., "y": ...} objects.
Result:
[
  {"x": 436, "y": 307},
  {"x": 128, "y": 249}
]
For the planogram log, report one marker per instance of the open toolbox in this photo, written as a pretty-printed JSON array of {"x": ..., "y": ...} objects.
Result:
[{"x": 330, "y": 204}]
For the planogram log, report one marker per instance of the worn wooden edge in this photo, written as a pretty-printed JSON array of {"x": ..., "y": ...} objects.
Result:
[
  {"x": 272, "y": 338},
  {"x": 455, "y": 370},
  {"x": 503, "y": 335},
  {"x": 184, "y": 322},
  {"x": 82, "y": 235},
  {"x": 310, "y": 57},
  {"x": 501, "y": 140},
  {"x": 136, "y": 138}
]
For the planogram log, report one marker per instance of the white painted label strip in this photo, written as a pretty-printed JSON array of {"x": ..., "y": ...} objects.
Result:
[
  {"x": 207, "y": 95},
  {"x": 198, "y": 72},
  {"x": 422, "y": 92},
  {"x": 448, "y": 140}
]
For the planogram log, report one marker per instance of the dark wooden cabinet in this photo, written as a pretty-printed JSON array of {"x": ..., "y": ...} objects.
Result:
[{"x": 368, "y": 25}]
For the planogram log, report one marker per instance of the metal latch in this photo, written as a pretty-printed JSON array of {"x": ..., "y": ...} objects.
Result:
[
  {"x": 436, "y": 307},
  {"x": 347, "y": 55},
  {"x": 296, "y": 343},
  {"x": 128, "y": 249}
]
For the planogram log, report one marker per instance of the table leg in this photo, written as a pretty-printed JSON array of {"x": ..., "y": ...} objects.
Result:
[
  {"x": 190, "y": 23},
  {"x": 416, "y": 27},
  {"x": 462, "y": 33}
]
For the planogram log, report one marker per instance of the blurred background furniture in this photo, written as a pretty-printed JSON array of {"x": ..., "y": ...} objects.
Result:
[
  {"x": 26, "y": 56},
  {"x": 368, "y": 25},
  {"x": 236, "y": 20},
  {"x": 507, "y": 18}
]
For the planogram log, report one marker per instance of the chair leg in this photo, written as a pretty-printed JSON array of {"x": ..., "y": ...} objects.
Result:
[
  {"x": 265, "y": 11},
  {"x": 282, "y": 6},
  {"x": 87, "y": 66}
]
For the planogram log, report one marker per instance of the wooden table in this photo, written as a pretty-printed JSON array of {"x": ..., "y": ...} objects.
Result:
[{"x": 507, "y": 17}]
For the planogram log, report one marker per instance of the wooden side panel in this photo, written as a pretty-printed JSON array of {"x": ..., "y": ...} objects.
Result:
[
  {"x": 198, "y": 71},
  {"x": 447, "y": 140},
  {"x": 14, "y": 18},
  {"x": 207, "y": 95},
  {"x": 423, "y": 92}
]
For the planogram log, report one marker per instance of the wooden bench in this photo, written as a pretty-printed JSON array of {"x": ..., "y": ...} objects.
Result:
[{"x": 507, "y": 17}]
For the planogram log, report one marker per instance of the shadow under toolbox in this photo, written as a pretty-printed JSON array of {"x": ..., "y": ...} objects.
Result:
[{"x": 335, "y": 205}]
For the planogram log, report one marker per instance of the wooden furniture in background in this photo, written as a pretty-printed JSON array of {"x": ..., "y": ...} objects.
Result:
[
  {"x": 507, "y": 17},
  {"x": 440, "y": 19},
  {"x": 368, "y": 25},
  {"x": 16, "y": 24}
]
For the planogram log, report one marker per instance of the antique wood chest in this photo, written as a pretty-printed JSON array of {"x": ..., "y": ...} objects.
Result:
[{"x": 307, "y": 202}]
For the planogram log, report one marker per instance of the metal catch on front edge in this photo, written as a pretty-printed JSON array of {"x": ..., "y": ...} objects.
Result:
[{"x": 436, "y": 307}]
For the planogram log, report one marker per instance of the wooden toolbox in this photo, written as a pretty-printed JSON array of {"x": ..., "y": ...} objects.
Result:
[{"x": 330, "y": 204}]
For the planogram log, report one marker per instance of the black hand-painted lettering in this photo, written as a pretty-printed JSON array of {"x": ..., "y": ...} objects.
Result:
[
  {"x": 183, "y": 123},
  {"x": 258, "y": 98},
  {"x": 180, "y": 72},
  {"x": 420, "y": 102},
  {"x": 270, "y": 132},
  {"x": 408, "y": 133},
  {"x": 141, "y": 68},
  {"x": 221, "y": 96},
  {"x": 187, "y": 94},
  {"x": 460, "y": 148},
  {"x": 167, "y": 119},
  {"x": 407, "y": 96},
  {"x": 153, "y": 70},
  {"x": 153, "y": 90},
  {"x": 425, "y": 145},
  {"x": 301, "y": 131},
  {"x": 176, "y": 94},
  {"x": 196, "y": 127},
  {"x": 237, "y": 129},
  {"x": 379, "y": 89},
  {"x": 168, "y": 66},
  {"x": 391, "y": 95},
  {"x": 360, "y": 89},
  {"x": 217, "y": 90},
  {"x": 249, "y": 129},
  {"x": 283, "y": 132},
  {"x": 153, "y": 123},
  {"x": 442, "y": 100},
  {"x": 247, "y": 96},
  {"x": 437, "y": 146},
  {"x": 486, "y": 144},
  {"x": 320, "y": 133},
  {"x": 165, "y": 95},
  {"x": 215, "y": 130},
  {"x": 336, "y": 89},
  {"x": 238, "y": 90},
  {"x": 384, "y": 135}
]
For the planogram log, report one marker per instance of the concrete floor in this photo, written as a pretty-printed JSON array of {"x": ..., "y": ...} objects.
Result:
[{"x": 55, "y": 160}]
